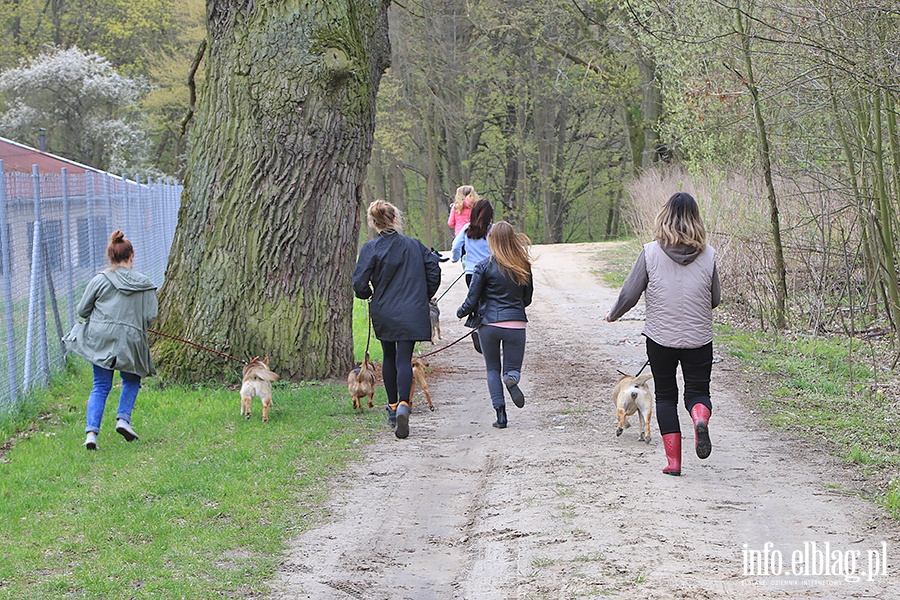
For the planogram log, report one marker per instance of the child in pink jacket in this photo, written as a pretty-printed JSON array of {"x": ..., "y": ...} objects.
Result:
[{"x": 461, "y": 209}]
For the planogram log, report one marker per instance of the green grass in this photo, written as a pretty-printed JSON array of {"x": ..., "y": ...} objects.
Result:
[
  {"x": 819, "y": 387},
  {"x": 615, "y": 260},
  {"x": 892, "y": 500},
  {"x": 360, "y": 330},
  {"x": 199, "y": 507}
]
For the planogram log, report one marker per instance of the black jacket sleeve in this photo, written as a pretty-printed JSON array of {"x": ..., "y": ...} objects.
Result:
[
  {"x": 432, "y": 272},
  {"x": 363, "y": 273},
  {"x": 476, "y": 289}
]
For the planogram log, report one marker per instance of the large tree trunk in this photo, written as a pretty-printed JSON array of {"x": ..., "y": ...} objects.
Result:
[{"x": 267, "y": 234}]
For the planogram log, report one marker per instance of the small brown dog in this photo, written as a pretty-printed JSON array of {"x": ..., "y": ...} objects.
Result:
[
  {"x": 418, "y": 368},
  {"x": 257, "y": 383},
  {"x": 361, "y": 382},
  {"x": 632, "y": 395},
  {"x": 435, "y": 314}
]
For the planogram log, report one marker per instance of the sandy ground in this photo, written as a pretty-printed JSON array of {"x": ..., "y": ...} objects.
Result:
[{"x": 556, "y": 506}]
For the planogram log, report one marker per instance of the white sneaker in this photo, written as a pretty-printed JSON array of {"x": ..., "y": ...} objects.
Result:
[
  {"x": 125, "y": 429},
  {"x": 90, "y": 442}
]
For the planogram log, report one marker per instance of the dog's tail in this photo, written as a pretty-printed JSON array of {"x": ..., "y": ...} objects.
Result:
[
  {"x": 265, "y": 373},
  {"x": 268, "y": 375},
  {"x": 642, "y": 379}
]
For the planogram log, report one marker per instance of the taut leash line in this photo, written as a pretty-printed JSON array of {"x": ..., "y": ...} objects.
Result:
[
  {"x": 450, "y": 286},
  {"x": 442, "y": 348},
  {"x": 189, "y": 343},
  {"x": 636, "y": 374}
]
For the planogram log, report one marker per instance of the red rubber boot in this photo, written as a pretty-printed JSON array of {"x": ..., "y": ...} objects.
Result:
[
  {"x": 700, "y": 415},
  {"x": 672, "y": 443}
]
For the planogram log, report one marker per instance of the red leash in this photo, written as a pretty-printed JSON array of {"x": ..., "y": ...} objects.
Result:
[
  {"x": 441, "y": 349},
  {"x": 178, "y": 339}
]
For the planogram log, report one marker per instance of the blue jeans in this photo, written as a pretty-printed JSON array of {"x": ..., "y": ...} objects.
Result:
[
  {"x": 103, "y": 378},
  {"x": 512, "y": 342}
]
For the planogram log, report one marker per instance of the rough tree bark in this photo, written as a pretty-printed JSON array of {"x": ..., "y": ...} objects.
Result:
[{"x": 267, "y": 233}]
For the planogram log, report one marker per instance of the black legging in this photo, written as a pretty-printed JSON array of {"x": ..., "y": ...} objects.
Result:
[
  {"x": 696, "y": 365},
  {"x": 396, "y": 371}
]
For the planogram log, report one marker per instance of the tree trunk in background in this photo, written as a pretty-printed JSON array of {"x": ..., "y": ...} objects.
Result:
[
  {"x": 433, "y": 187},
  {"x": 550, "y": 123},
  {"x": 651, "y": 109},
  {"x": 268, "y": 230},
  {"x": 511, "y": 170},
  {"x": 397, "y": 186},
  {"x": 766, "y": 160},
  {"x": 379, "y": 183}
]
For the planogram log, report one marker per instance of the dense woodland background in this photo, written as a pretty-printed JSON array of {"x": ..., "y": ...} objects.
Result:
[{"x": 576, "y": 118}]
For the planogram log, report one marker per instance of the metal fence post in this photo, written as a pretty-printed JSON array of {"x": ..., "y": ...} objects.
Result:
[
  {"x": 91, "y": 234},
  {"x": 109, "y": 212},
  {"x": 7, "y": 292},
  {"x": 128, "y": 229},
  {"x": 36, "y": 312},
  {"x": 67, "y": 247},
  {"x": 166, "y": 190}
]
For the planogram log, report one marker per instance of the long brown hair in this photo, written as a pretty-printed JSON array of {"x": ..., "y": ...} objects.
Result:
[
  {"x": 510, "y": 249},
  {"x": 119, "y": 249},
  {"x": 480, "y": 221},
  {"x": 679, "y": 222}
]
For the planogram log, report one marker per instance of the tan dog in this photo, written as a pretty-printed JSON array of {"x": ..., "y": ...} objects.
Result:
[
  {"x": 361, "y": 382},
  {"x": 632, "y": 395},
  {"x": 418, "y": 368},
  {"x": 257, "y": 383}
]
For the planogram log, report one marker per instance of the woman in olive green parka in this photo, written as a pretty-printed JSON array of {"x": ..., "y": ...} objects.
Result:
[{"x": 118, "y": 306}]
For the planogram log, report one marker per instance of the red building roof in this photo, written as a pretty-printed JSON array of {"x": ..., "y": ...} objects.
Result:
[{"x": 18, "y": 158}]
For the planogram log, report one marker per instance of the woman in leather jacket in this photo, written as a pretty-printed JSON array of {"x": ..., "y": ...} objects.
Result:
[{"x": 501, "y": 288}]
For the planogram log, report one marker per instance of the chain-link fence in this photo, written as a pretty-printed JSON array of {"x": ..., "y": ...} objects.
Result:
[{"x": 54, "y": 229}]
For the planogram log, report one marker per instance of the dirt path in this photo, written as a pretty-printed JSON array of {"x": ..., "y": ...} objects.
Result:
[{"x": 556, "y": 506}]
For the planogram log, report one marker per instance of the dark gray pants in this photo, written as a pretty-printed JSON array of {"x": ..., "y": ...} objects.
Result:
[{"x": 511, "y": 344}]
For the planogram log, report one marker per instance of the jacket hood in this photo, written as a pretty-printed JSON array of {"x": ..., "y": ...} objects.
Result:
[
  {"x": 681, "y": 253},
  {"x": 129, "y": 281}
]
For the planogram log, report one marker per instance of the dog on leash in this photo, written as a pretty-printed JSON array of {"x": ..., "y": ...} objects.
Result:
[
  {"x": 435, "y": 313},
  {"x": 418, "y": 368},
  {"x": 361, "y": 383},
  {"x": 257, "y": 383},
  {"x": 632, "y": 395}
]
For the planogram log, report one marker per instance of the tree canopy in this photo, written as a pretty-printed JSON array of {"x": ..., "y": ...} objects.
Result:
[{"x": 88, "y": 110}]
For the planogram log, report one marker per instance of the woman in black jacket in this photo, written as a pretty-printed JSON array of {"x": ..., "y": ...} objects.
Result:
[
  {"x": 400, "y": 275},
  {"x": 501, "y": 288}
]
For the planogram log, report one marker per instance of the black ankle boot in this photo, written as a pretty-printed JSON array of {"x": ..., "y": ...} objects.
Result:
[{"x": 500, "y": 423}]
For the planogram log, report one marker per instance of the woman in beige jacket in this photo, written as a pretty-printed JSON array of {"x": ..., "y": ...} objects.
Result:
[{"x": 677, "y": 275}]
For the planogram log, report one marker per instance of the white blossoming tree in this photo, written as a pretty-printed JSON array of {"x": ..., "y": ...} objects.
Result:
[{"x": 89, "y": 111}]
